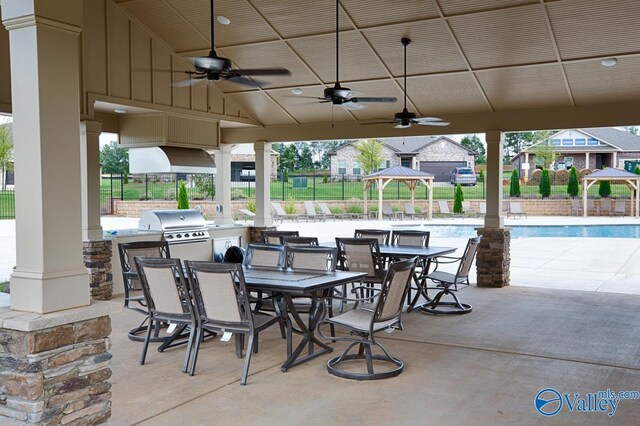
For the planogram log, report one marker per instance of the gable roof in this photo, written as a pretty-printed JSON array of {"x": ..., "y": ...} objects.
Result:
[
  {"x": 413, "y": 144},
  {"x": 612, "y": 174},
  {"x": 616, "y": 139},
  {"x": 400, "y": 172}
]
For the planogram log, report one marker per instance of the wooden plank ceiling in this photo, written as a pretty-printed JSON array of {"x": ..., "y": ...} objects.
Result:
[{"x": 466, "y": 56}]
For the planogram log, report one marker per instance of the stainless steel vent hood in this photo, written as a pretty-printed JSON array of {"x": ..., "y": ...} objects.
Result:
[{"x": 169, "y": 159}]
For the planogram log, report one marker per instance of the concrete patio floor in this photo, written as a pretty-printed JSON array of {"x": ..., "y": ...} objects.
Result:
[{"x": 482, "y": 368}]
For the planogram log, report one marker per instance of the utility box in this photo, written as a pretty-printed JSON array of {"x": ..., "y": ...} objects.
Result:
[
  {"x": 300, "y": 182},
  {"x": 630, "y": 165}
]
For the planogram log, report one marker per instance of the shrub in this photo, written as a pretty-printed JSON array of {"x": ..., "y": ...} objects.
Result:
[
  {"x": 572, "y": 187},
  {"x": 336, "y": 210},
  {"x": 417, "y": 208},
  {"x": 183, "y": 197},
  {"x": 290, "y": 206},
  {"x": 605, "y": 189},
  {"x": 637, "y": 170},
  {"x": 325, "y": 178},
  {"x": 514, "y": 187},
  {"x": 545, "y": 184},
  {"x": 481, "y": 176},
  {"x": 355, "y": 208},
  {"x": 458, "y": 199},
  {"x": 238, "y": 194},
  {"x": 251, "y": 205},
  {"x": 395, "y": 208}
]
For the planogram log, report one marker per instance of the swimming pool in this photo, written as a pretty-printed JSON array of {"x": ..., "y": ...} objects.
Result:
[{"x": 520, "y": 231}]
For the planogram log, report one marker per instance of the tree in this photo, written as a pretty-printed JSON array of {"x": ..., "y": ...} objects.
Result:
[
  {"x": 183, "y": 197},
  {"x": 115, "y": 160},
  {"x": 572, "y": 187},
  {"x": 545, "y": 184},
  {"x": 6, "y": 154},
  {"x": 514, "y": 187},
  {"x": 632, "y": 129},
  {"x": 604, "y": 189},
  {"x": 458, "y": 198},
  {"x": 369, "y": 155},
  {"x": 517, "y": 141},
  {"x": 637, "y": 170},
  {"x": 474, "y": 143},
  {"x": 544, "y": 155}
]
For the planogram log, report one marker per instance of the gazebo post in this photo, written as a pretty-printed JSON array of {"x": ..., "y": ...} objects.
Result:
[
  {"x": 364, "y": 186},
  {"x": 584, "y": 197},
  {"x": 637, "y": 192},
  {"x": 412, "y": 190},
  {"x": 380, "y": 189}
]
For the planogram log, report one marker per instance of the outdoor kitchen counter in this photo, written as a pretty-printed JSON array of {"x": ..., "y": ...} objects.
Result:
[{"x": 221, "y": 237}]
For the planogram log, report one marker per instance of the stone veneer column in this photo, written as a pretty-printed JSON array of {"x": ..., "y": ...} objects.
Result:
[
  {"x": 54, "y": 370},
  {"x": 493, "y": 261},
  {"x": 96, "y": 255}
]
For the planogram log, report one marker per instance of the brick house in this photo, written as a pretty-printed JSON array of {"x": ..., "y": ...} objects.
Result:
[
  {"x": 589, "y": 148},
  {"x": 244, "y": 157},
  {"x": 436, "y": 155}
]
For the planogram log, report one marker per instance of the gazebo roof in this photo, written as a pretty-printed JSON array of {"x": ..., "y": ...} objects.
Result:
[
  {"x": 399, "y": 172},
  {"x": 611, "y": 174}
]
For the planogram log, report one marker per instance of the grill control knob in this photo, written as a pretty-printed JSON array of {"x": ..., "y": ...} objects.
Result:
[
  {"x": 179, "y": 236},
  {"x": 169, "y": 237},
  {"x": 186, "y": 235}
]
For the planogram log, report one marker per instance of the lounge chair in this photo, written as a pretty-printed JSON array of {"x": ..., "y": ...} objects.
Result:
[
  {"x": 311, "y": 212},
  {"x": 483, "y": 209},
  {"x": 281, "y": 215},
  {"x": 388, "y": 211},
  {"x": 576, "y": 209},
  {"x": 247, "y": 214},
  {"x": 620, "y": 208},
  {"x": 324, "y": 208},
  {"x": 410, "y": 211},
  {"x": 444, "y": 209},
  {"x": 592, "y": 207},
  {"x": 515, "y": 209},
  {"x": 605, "y": 206}
]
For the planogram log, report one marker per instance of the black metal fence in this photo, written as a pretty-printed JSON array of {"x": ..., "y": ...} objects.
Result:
[{"x": 7, "y": 203}]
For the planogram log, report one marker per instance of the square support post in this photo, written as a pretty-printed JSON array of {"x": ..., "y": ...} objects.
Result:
[
  {"x": 90, "y": 179},
  {"x": 224, "y": 215},
  {"x": 263, "y": 184}
]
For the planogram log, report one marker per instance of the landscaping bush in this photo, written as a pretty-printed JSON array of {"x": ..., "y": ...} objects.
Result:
[
  {"x": 481, "y": 176},
  {"x": 514, "y": 186},
  {"x": 251, "y": 205},
  {"x": 290, "y": 206},
  {"x": 458, "y": 199},
  {"x": 325, "y": 178},
  {"x": 545, "y": 184},
  {"x": 336, "y": 210},
  {"x": 605, "y": 189},
  {"x": 561, "y": 177},
  {"x": 572, "y": 187},
  {"x": 355, "y": 209},
  {"x": 183, "y": 198},
  {"x": 238, "y": 194},
  {"x": 637, "y": 170}
]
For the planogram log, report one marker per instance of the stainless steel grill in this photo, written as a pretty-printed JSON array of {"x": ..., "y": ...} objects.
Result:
[{"x": 177, "y": 226}]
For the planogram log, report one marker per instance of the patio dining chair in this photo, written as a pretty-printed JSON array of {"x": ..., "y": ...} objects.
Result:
[
  {"x": 167, "y": 294},
  {"x": 275, "y": 237},
  {"x": 448, "y": 282},
  {"x": 413, "y": 238},
  {"x": 361, "y": 255},
  {"x": 133, "y": 294},
  {"x": 363, "y": 323},
  {"x": 221, "y": 304},
  {"x": 299, "y": 241},
  {"x": 382, "y": 235}
]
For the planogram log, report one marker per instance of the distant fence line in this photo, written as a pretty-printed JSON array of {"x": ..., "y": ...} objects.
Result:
[{"x": 297, "y": 187}]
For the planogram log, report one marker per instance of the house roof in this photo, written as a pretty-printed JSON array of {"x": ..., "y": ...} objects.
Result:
[
  {"x": 619, "y": 138},
  {"x": 409, "y": 145},
  {"x": 400, "y": 172}
]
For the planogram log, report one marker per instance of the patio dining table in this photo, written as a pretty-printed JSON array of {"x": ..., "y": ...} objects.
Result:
[{"x": 308, "y": 283}]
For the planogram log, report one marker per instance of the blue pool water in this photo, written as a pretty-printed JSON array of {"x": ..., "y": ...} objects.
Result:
[{"x": 582, "y": 231}]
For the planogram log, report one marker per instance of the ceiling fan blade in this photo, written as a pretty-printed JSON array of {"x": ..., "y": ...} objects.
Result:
[
  {"x": 369, "y": 99},
  {"x": 402, "y": 126},
  {"x": 245, "y": 81},
  {"x": 351, "y": 105},
  {"x": 432, "y": 123},
  {"x": 303, "y": 97},
  {"x": 262, "y": 71},
  {"x": 189, "y": 82},
  {"x": 426, "y": 119},
  {"x": 376, "y": 122}
]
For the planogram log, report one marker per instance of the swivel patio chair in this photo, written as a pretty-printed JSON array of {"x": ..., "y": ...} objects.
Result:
[
  {"x": 445, "y": 281},
  {"x": 363, "y": 323},
  {"x": 414, "y": 238},
  {"x": 222, "y": 305},
  {"x": 361, "y": 255},
  {"x": 133, "y": 295},
  {"x": 382, "y": 235},
  {"x": 167, "y": 294},
  {"x": 299, "y": 241},
  {"x": 275, "y": 237}
]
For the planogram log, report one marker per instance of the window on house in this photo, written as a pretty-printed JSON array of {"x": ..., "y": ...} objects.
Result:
[
  {"x": 356, "y": 168},
  {"x": 555, "y": 141},
  {"x": 580, "y": 141},
  {"x": 405, "y": 162},
  {"x": 568, "y": 162},
  {"x": 384, "y": 164},
  {"x": 592, "y": 141},
  {"x": 342, "y": 167},
  {"x": 567, "y": 142}
]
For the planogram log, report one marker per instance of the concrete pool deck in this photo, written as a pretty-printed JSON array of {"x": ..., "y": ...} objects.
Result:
[{"x": 586, "y": 264}]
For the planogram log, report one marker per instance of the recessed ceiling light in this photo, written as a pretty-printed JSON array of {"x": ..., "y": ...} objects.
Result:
[
  {"x": 223, "y": 20},
  {"x": 120, "y": 111},
  {"x": 609, "y": 62},
  {"x": 296, "y": 91}
]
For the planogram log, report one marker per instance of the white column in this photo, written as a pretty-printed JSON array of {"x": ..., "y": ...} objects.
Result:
[
  {"x": 494, "y": 217},
  {"x": 380, "y": 191},
  {"x": 586, "y": 160},
  {"x": 615, "y": 160},
  {"x": 263, "y": 184},
  {"x": 44, "y": 46},
  {"x": 430, "y": 199},
  {"x": 90, "y": 179},
  {"x": 526, "y": 160},
  {"x": 224, "y": 215}
]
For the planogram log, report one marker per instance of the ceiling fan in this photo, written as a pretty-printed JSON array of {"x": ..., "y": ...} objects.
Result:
[
  {"x": 343, "y": 96},
  {"x": 213, "y": 67},
  {"x": 405, "y": 119}
]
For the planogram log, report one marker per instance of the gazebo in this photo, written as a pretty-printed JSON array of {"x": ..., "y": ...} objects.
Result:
[
  {"x": 409, "y": 176},
  {"x": 632, "y": 180}
]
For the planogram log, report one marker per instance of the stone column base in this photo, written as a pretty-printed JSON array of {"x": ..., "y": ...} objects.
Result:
[
  {"x": 255, "y": 233},
  {"x": 96, "y": 255},
  {"x": 493, "y": 260},
  {"x": 54, "y": 368}
]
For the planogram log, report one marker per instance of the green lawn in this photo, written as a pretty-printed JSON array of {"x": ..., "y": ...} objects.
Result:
[{"x": 7, "y": 205}]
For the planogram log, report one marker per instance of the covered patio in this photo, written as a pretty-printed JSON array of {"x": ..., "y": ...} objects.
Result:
[{"x": 71, "y": 69}]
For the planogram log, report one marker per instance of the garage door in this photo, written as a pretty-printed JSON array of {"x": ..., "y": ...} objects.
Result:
[{"x": 441, "y": 169}]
